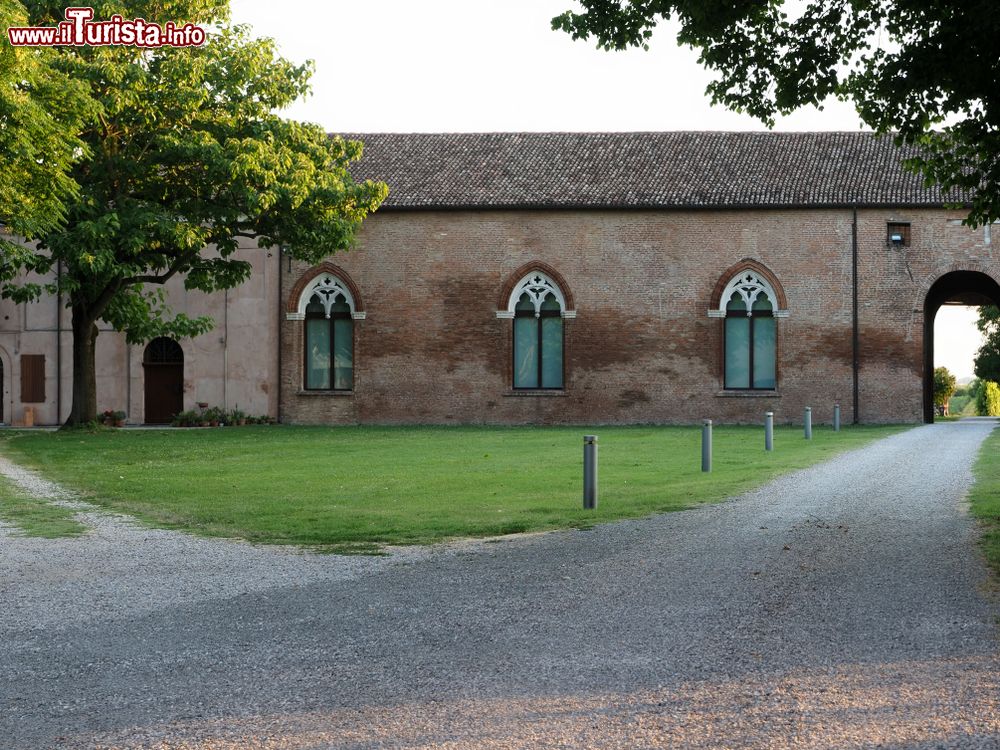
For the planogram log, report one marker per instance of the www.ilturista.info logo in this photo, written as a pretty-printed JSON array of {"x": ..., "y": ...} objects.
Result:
[{"x": 78, "y": 30}]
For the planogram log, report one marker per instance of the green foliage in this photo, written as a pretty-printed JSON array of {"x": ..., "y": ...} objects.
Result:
[
  {"x": 186, "y": 159},
  {"x": 944, "y": 385},
  {"x": 215, "y": 414},
  {"x": 204, "y": 417},
  {"x": 987, "y": 362},
  {"x": 988, "y": 400},
  {"x": 958, "y": 403},
  {"x": 408, "y": 485},
  {"x": 963, "y": 403},
  {"x": 189, "y": 418},
  {"x": 974, "y": 387},
  {"x": 42, "y": 110},
  {"x": 923, "y": 71},
  {"x": 110, "y": 418}
]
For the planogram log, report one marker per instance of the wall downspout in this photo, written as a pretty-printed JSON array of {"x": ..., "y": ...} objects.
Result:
[
  {"x": 854, "y": 310},
  {"x": 225, "y": 350},
  {"x": 277, "y": 412},
  {"x": 59, "y": 308}
]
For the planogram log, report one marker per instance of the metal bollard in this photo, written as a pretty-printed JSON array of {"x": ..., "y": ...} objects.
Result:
[
  {"x": 807, "y": 422},
  {"x": 589, "y": 472},
  {"x": 836, "y": 417},
  {"x": 769, "y": 431},
  {"x": 706, "y": 445}
]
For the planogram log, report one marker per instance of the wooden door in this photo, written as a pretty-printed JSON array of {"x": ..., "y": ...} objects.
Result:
[{"x": 163, "y": 371}]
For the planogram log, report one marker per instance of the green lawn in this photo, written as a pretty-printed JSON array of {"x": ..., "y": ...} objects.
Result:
[
  {"x": 985, "y": 497},
  {"x": 34, "y": 517},
  {"x": 353, "y": 488}
]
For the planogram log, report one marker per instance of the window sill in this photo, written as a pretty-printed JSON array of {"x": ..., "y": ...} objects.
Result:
[
  {"x": 748, "y": 394},
  {"x": 536, "y": 392},
  {"x": 304, "y": 392}
]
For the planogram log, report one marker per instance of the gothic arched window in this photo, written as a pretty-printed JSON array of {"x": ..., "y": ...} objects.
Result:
[
  {"x": 538, "y": 306},
  {"x": 750, "y": 335},
  {"x": 329, "y": 335}
]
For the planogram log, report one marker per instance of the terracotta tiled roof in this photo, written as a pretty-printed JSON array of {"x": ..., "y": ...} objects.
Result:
[{"x": 640, "y": 170}]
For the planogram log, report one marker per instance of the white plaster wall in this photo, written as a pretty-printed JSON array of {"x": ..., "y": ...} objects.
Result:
[{"x": 232, "y": 365}]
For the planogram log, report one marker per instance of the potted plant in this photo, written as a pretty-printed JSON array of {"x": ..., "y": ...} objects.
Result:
[
  {"x": 216, "y": 416},
  {"x": 112, "y": 418},
  {"x": 185, "y": 419}
]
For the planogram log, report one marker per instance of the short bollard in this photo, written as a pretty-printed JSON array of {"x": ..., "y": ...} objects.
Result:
[
  {"x": 807, "y": 423},
  {"x": 589, "y": 471},
  {"x": 836, "y": 417},
  {"x": 706, "y": 445},
  {"x": 769, "y": 431}
]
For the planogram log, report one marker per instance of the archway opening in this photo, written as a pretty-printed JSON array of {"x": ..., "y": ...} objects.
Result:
[
  {"x": 957, "y": 341},
  {"x": 966, "y": 288},
  {"x": 163, "y": 373}
]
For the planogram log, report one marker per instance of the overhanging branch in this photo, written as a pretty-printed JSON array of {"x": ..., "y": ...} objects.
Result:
[{"x": 162, "y": 278}]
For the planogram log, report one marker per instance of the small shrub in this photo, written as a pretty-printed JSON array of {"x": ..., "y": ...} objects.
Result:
[
  {"x": 111, "y": 418},
  {"x": 186, "y": 419},
  {"x": 215, "y": 414}
]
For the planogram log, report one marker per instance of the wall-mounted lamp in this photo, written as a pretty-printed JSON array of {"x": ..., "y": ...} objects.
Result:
[{"x": 897, "y": 234}]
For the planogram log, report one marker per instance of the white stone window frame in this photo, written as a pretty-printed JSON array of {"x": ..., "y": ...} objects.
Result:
[
  {"x": 749, "y": 285},
  {"x": 328, "y": 286},
  {"x": 537, "y": 286}
]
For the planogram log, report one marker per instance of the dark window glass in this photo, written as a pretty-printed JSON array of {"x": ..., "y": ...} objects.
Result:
[
  {"x": 329, "y": 342},
  {"x": 738, "y": 352},
  {"x": 162, "y": 351},
  {"x": 538, "y": 344},
  {"x": 750, "y": 345}
]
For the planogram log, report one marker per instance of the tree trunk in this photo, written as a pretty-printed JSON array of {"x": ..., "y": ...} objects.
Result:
[{"x": 84, "y": 370}]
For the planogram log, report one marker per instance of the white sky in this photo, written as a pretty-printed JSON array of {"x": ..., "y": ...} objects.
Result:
[
  {"x": 496, "y": 65},
  {"x": 956, "y": 339},
  {"x": 490, "y": 65}
]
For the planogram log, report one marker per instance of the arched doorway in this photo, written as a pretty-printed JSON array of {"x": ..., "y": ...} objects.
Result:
[
  {"x": 163, "y": 372},
  {"x": 955, "y": 288},
  {"x": 3, "y": 392}
]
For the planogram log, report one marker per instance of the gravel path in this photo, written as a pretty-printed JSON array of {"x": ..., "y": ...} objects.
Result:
[{"x": 842, "y": 606}]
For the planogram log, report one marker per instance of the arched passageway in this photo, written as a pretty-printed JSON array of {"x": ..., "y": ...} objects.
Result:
[{"x": 956, "y": 288}]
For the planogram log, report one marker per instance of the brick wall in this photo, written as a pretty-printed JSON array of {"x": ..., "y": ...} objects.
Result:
[{"x": 642, "y": 347}]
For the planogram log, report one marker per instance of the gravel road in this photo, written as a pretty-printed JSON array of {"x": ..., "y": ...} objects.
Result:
[{"x": 842, "y": 606}]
